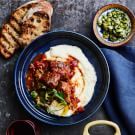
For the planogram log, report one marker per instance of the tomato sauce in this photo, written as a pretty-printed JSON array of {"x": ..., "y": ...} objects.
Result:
[{"x": 53, "y": 74}]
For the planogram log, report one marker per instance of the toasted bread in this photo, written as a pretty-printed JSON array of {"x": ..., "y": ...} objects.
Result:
[
  {"x": 10, "y": 31},
  {"x": 36, "y": 22},
  {"x": 20, "y": 27},
  {"x": 8, "y": 42},
  {"x": 36, "y": 25}
]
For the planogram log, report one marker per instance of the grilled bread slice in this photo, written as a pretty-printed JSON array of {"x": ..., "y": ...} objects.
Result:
[
  {"x": 10, "y": 31},
  {"x": 36, "y": 25},
  {"x": 36, "y": 22},
  {"x": 19, "y": 23},
  {"x": 8, "y": 40},
  {"x": 19, "y": 13}
]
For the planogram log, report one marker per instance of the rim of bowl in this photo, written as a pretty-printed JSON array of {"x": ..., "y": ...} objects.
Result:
[{"x": 124, "y": 9}]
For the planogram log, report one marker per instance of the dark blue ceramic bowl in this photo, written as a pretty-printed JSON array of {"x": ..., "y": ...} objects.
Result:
[{"x": 42, "y": 44}]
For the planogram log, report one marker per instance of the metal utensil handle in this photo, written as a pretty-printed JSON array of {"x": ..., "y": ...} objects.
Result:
[{"x": 101, "y": 122}]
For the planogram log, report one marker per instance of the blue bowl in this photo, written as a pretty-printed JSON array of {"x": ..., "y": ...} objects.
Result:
[{"x": 42, "y": 44}]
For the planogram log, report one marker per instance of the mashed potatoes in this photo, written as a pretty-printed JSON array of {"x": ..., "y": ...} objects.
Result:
[{"x": 84, "y": 79}]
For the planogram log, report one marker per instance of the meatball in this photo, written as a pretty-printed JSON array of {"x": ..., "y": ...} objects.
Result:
[
  {"x": 62, "y": 68},
  {"x": 51, "y": 79}
]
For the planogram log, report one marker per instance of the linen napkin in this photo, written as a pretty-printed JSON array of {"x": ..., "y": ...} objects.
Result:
[{"x": 120, "y": 101}]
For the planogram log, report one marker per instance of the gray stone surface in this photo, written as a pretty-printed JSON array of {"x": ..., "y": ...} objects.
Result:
[{"x": 74, "y": 15}]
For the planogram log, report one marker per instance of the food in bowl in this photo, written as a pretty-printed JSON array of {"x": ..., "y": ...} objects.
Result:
[
  {"x": 114, "y": 25},
  {"x": 61, "y": 81}
]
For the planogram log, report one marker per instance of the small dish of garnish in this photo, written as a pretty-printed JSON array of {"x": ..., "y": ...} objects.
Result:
[{"x": 114, "y": 25}]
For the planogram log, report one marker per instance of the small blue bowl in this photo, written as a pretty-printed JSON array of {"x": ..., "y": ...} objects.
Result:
[{"x": 42, "y": 44}]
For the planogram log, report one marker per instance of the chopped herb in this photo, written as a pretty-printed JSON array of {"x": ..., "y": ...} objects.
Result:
[
  {"x": 115, "y": 25},
  {"x": 60, "y": 96}
]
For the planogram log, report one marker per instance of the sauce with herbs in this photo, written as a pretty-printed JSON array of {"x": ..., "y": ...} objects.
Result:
[{"x": 49, "y": 80}]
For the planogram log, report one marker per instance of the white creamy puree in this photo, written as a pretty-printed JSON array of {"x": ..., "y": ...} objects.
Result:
[{"x": 86, "y": 79}]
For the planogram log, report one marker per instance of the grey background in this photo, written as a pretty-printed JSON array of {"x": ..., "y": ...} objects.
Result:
[{"x": 74, "y": 15}]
